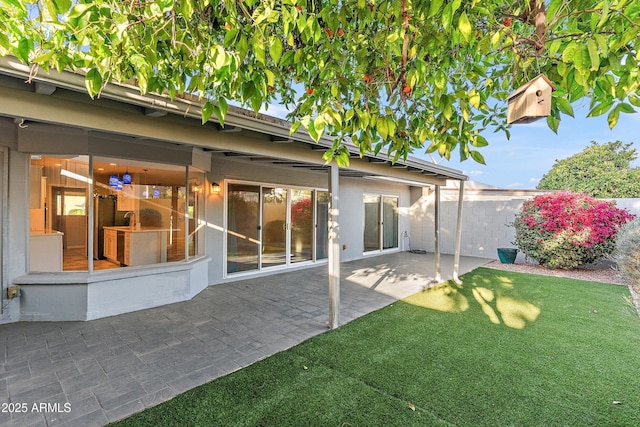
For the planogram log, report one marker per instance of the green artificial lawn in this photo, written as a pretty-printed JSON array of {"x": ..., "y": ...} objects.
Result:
[{"x": 502, "y": 349}]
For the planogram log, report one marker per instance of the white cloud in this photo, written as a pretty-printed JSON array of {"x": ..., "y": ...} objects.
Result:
[
  {"x": 474, "y": 173},
  {"x": 534, "y": 180}
]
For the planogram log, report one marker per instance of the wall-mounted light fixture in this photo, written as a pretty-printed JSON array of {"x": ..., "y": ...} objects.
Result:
[{"x": 215, "y": 188}]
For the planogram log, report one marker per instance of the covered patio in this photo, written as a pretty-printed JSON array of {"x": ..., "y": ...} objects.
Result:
[{"x": 110, "y": 368}]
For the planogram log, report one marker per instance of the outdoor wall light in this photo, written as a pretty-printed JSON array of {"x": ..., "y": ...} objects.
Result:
[{"x": 215, "y": 188}]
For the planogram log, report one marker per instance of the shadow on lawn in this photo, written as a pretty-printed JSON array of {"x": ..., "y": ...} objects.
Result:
[{"x": 496, "y": 297}]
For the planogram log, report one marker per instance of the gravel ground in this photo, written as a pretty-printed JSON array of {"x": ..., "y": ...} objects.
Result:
[{"x": 603, "y": 272}]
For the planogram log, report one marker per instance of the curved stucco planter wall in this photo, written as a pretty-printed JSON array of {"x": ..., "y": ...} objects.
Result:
[{"x": 49, "y": 298}]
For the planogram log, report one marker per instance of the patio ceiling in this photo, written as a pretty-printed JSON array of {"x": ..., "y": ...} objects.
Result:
[{"x": 256, "y": 137}]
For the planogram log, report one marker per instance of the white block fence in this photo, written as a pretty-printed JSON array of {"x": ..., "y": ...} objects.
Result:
[{"x": 486, "y": 215}]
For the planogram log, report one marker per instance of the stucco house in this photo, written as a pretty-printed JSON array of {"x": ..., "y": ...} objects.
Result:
[{"x": 128, "y": 201}]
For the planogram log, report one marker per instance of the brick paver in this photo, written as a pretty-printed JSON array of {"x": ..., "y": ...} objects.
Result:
[{"x": 96, "y": 372}]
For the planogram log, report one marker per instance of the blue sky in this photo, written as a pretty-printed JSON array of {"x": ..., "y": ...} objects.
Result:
[{"x": 521, "y": 161}]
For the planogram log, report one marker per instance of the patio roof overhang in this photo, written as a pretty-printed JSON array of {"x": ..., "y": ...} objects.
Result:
[
  {"x": 160, "y": 118},
  {"x": 122, "y": 110}
]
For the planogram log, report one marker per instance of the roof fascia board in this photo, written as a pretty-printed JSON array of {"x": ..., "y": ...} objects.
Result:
[{"x": 184, "y": 107}]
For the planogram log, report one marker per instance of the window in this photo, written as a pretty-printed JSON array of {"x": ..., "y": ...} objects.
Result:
[
  {"x": 141, "y": 213},
  {"x": 58, "y": 214}
]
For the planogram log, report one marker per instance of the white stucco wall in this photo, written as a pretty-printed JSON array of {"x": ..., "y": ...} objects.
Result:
[
  {"x": 350, "y": 205},
  {"x": 486, "y": 216}
]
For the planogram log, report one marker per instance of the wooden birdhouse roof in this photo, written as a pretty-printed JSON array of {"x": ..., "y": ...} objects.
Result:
[{"x": 532, "y": 82}]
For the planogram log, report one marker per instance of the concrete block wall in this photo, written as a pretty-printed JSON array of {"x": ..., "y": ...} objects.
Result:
[
  {"x": 485, "y": 220},
  {"x": 484, "y": 225}
]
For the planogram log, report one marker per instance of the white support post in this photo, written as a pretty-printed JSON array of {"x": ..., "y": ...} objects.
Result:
[
  {"x": 436, "y": 224},
  {"x": 456, "y": 253},
  {"x": 334, "y": 248}
]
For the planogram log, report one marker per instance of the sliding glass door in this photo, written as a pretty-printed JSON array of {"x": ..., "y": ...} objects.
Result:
[
  {"x": 243, "y": 227},
  {"x": 371, "y": 223},
  {"x": 274, "y": 226},
  {"x": 270, "y": 226},
  {"x": 301, "y": 240},
  {"x": 380, "y": 222},
  {"x": 322, "y": 224}
]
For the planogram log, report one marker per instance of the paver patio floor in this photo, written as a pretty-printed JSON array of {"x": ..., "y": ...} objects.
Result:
[{"x": 96, "y": 372}]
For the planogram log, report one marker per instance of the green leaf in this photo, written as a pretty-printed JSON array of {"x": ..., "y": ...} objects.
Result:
[
  {"x": 43, "y": 58},
  {"x": 594, "y": 54},
  {"x": 447, "y": 16},
  {"x": 625, "y": 108},
  {"x": 603, "y": 45},
  {"x": 476, "y": 156},
  {"x": 440, "y": 80},
  {"x": 17, "y": 4},
  {"x": 474, "y": 98},
  {"x": 258, "y": 48},
  {"x": 569, "y": 52},
  {"x": 4, "y": 42},
  {"x": 312, "y": 131},
  {"x": 464, "y": 26},
  {"x": 552, "y": 9},
  {"x": 186, "y": 6},
  {"x": 93, "y": 82},
  {"x": 434, "y": 8},
  {"x": 230, "y": 37},
  {"x": 600, "y": 109},
  {"x": 221, "y": 112},
  {"x": 24, "y": 48},
  {"x": 275, "y": 49},
  {"x": 565, "y": 106},
  {"x": 555, "y": 46},
  {"x": 207, "y": 111},
  {"x": 479, "y": 141},
  {"x": 382, "y": 127},
  {"x": 612, "y": 118},
  {"x": 62, "y": 6},
  {"x": 634, "y": 100},
  {"x": 243, "y": 47},
  {"x": 581, "y": 58},
  {"x": 553, "y": 123},
  {"x": 79, "y": 10},
  {"x": 294, "y": 127},
  {"x": 605, "y": 14}
]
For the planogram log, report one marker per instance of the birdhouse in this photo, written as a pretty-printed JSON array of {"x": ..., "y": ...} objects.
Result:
[{"x": 531, "y": 101}]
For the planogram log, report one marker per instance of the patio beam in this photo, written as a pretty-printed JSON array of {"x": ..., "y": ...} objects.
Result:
[
  {"x": 334, "y": 247},
  {"x": 436, "y": 226},
  {"x": 456, "y": 252}
]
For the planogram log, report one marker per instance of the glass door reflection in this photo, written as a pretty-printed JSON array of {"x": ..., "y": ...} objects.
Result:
[
  {"x": 274, "y": 226},
  {"x": 301, "y": 225},
  {"x": 243, "y": 242}
]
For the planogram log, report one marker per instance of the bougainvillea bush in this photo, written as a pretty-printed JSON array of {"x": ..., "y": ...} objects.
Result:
[{"x": 566, "y": 230}]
